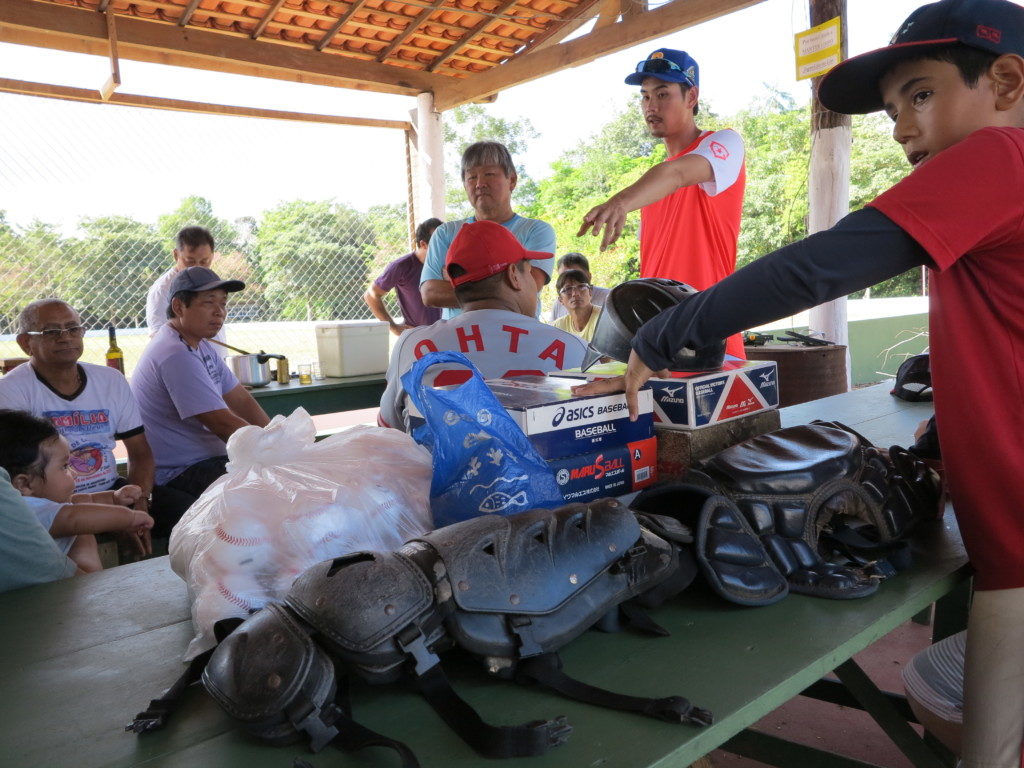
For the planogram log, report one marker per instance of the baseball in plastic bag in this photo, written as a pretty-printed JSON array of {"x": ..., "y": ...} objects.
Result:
[
  {"x": 483, "y": 463},
  {"x": 288, "y": 502}
]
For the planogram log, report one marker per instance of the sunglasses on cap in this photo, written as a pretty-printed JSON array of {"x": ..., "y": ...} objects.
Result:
[{"x": 658, "y": 65}]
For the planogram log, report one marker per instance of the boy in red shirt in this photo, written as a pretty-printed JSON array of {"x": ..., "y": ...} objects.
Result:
[{"x": 952, "y": 81}]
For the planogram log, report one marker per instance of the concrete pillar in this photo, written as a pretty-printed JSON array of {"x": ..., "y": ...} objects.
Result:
[
  {"x": 430, "y": 159},
  {"x": 829, "y": 183}
]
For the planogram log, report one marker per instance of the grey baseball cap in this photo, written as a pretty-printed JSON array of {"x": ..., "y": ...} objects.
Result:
[{"x": 202, "y": 279}]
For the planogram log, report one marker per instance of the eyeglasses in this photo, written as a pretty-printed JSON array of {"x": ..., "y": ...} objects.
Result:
[
  {"x": 74, "y": 332},
  {"x": 658, "y": 65},
  {"x": 571, "y": 289}
]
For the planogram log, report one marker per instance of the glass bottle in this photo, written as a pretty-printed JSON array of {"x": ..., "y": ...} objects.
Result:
[{"x": 115, "y": 357}]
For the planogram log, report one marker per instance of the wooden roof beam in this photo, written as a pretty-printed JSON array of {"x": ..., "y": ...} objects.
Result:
[
  {"x": 186, "y": 15},
  {"x": 411, "y": 27},
  {"x": 631, "y": 31},
  {"x": 476, "y": 30},
  {"x": 556, "y": 33},
  {"x": 108, "y": 88},
  {"x": 68, "y": 93},
  {"x": 341, "y": 22},
  {"x": 267, "y": 18},
  {"x": 49, "y": 25}
]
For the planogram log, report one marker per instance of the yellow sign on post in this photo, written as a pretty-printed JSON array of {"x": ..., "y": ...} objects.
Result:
[{"x": 817, "y": 49}]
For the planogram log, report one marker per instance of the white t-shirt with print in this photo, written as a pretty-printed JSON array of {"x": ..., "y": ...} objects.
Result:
[{"x": 102, "y": 412}]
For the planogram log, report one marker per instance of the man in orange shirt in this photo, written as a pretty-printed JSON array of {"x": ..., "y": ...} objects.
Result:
[{"x": 691, "y": 203}]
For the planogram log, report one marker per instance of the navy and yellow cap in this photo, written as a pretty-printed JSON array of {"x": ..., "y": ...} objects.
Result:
[
  {"x": 669, "y": 65},
  {"x": 996, "y": 26}
]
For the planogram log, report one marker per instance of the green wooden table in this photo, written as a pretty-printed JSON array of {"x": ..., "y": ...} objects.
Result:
[
  {"x": 79, "y": 657},
  {"x": 323, "y": 396}
]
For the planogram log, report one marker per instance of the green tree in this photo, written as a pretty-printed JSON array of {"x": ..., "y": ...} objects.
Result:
[
  {"x": 47, "y": 267},
  {"x": 312, "y": 260},
  {"x": 195, "y": 210},
  {"x": 114, "y": 263},
  {"x": 614, "y": 157},
  {"x": 470, "y": 123},
  {"x": 391, "y": 238},
  {"x": 776, "y": 136},
  {"x": 876, "y": 163}
]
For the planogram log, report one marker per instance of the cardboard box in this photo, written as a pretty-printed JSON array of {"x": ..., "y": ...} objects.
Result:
[
  {"x": 611, "y": 472},
  {"x": 352, "y": 347},
  {"x": 695, "y": 400},
  {"x": 680, "y": 449},
  {"x": 559, "y": 423}
]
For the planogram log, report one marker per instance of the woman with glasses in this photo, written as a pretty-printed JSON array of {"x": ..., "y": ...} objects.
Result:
[{"x": 576, "y": 295}]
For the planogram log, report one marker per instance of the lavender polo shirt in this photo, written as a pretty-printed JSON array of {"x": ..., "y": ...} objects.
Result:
[
  {"x": 172, "y": 383},
  {"x": 403, "y": 275}
]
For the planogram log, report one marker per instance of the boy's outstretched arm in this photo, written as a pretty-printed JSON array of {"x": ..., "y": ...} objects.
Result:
[{"x": 863, "y": 249}]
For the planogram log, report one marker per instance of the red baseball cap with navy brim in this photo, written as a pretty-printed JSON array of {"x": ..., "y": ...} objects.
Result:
[
  {"x": 997, "y": 26},
  {"x": 485, "y": 248}
]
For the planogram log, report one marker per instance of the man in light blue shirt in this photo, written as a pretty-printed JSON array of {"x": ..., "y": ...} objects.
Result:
[{"x": 489, "y": 176}]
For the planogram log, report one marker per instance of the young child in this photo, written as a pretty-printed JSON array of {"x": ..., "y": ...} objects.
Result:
[
  {"x": 36, "y": 457},
  {"x": 952, "y": 81}
]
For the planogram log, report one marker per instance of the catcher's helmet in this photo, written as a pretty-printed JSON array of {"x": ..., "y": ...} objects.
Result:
[{"x": 631, "y": 304}]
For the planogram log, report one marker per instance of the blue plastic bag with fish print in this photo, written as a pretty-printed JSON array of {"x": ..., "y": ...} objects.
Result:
[{"x": 483, "y": 463}]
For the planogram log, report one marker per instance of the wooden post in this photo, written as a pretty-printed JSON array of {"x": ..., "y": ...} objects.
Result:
[
  {"x": 829, "y": 183},
  {"x": 410, "y": 208},
  {"x": 108, "y": 88},
  {"x": 430, "y": 156}
]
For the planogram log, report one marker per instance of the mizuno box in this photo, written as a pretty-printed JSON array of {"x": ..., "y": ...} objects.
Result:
[
  {"x": 611, "y": 472},
  {"x": 559, "y": 423},
  {"x": 691, "y": 401}
]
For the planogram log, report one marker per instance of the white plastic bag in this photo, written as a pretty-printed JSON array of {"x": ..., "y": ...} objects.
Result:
[{"x": 288, "y": 502}]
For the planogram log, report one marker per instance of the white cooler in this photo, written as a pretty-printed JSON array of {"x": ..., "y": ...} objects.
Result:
[{"x": 352, "y": 347}]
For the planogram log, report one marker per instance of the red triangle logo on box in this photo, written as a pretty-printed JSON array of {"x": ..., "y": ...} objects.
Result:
[{"x": 741, "y": 399}]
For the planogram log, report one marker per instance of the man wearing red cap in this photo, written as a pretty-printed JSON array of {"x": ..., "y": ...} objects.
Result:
[
  {"x": 497, "y": 330},
  {"x": 690, "y": 205}
]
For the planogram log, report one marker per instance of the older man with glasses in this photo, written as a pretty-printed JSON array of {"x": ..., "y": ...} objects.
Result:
[
  {"x": 90, "y": 405},
  {"x": 692, "y": 202}
]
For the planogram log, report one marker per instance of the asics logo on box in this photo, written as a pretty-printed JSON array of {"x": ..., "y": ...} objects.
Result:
[{"x": 569, "y": 415}]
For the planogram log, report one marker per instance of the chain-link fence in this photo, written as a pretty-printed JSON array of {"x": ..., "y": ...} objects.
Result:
[{"x": 303, "y": 260}]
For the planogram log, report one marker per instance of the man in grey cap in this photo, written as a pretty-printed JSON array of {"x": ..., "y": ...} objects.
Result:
[{"x": 190, "y": 401}]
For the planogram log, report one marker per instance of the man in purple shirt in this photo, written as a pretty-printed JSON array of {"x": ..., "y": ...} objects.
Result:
[
  {"x": 190, "y": 401},
  {"x": 404, "y": 276}
]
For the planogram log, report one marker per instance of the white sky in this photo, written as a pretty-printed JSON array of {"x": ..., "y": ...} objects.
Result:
[{"x": 60, "y": 161}]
